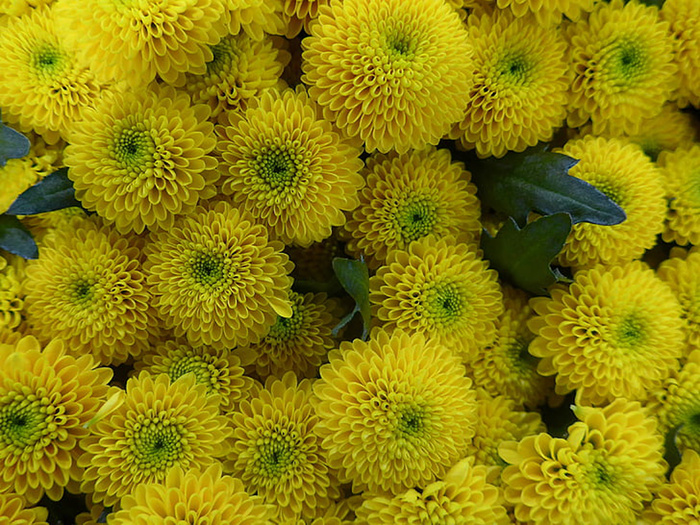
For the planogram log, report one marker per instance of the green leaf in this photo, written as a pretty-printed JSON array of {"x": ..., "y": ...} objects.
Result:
[
  {"x": 53, "y": 192},
  {"x": 672, "y": 455},
  {"x": 656, "y": 3},
  {"x": 354, "y": 277},
  {"x": 15, "y": 238},
  {"x": 13, "y": 145},
  {"x": 539, "y": 181},
  {"x": 522, "y": 256}
]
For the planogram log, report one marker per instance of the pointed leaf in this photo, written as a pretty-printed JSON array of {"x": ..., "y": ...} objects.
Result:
[
  {"x": 538, "y": 181},
  {"x": 13, "y": 145},
  {"x": 53, "y": 192},
  {"x": 354, "y": 277},
  {"x": 523, "y": 256},
  {"x": 15, "y": 238}
]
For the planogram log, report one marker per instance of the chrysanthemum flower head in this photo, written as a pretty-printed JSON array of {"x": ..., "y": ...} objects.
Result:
[
  {"x": 603, "y": 473},
  {"x": 390, "y": 72},
  {"x": 680, "y": 169},
  {"x": 13, "y": 511},
  {"x": 134, "y": 41},
  {"x": 623, "y": 64},
  {"x": 684, "y": 18},
  {"x": 47, "y": 397},
  {"x": 242, "y": 68},
  {"x": 192, "y": 495},
  {"x": 143, "y": 157},
  {"x": 440, "y": 288},
  {"x": 504, "y": 367},
  {"x": 46, "y": 87},
  {"x": 615, "y": 332},
  {"x": 220, "y": 370},
  {"x": 465, "y": 495},
  {"x": 160, "y": 424},
  {"x": 520, "y": 86},
  {"x": 408, "y": 197},
  {"x": 289, "y": 168},
  {"x": 395, "y": 412},
  {"x": 630, "y": 179},
  {"x": 275, "y": 450},
  {"x": 676, "y": 503},
  {"x": 217, "y": 279},
  {"x": 669, "y": 130}
]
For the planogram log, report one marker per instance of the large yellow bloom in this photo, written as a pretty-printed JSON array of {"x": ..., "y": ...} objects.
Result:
[
  {"x": 441, "y": 289},
  {"x": 391, "y": 72},
  {"x": 681, "y": 171},
  {"x": 395, "y": 412},
  {"x": 520, "y": 87},
  {"x": 408, "y": 197},
  {"x": 276, "y": 453},
  {"x": 615, "y": 332},
  {"x": 87, "y": 288},
  {"x": 47, "y": 397},
  {"x": 629, "y": 178},
  {"x": 142, "y": 157},
  {"x": 288, "y": 167},
  {"x": 623, "y": 64},
  {"x": 217, "y": 279},
  {"x": 684, "y": 17},
  {"x": 192, "y": 496},
  {"x": 45, "y": 86},
  {"x": 134, "y": 41},
  {"x": 603, "y": 473},
  {"x": 160, "y": 425},
  {"x": 676, "y": 503}
]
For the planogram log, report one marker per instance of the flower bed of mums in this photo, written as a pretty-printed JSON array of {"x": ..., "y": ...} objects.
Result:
[{"x": 349, "y": 261}]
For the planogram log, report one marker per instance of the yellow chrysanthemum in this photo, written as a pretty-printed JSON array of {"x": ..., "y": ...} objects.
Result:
[
  {"x": 192, "y": 496},
  {"x": 276, "y": 452},
  {"x": 395, "y": 412},
  {"x": 217, "y": 279},
  {"x": 220, "y": 370},
  {"x": 12, "y": 275},
  {"x": 242, "y": 68},
  {"x": 497, "y": 421},
  {"x": 42, "y": 224},
  {"x": 520, "y": 87},
  {"x": 465, "y": 495},
  {"x": 441, "y": 289},
  {"x": 677, "y": 404},
  {"x": 143, "y": 157},
  {"x": 13, "y": 511},
  {"x": 390, "y": 72},
  {"x": 669, "y": 130},
  {"x": 676, "y": 503},
  {"x": 87, "y": 288},
  {"x": 684, "y": 18},
  {"x": 298, "y": 343},
  {"x": 622, "y": 59},
  {"x": 603, "y": 473},
  {"x": 681, "y": 171},
  {"x": 548, "y": 12},
  {"x": 408, "y": 197},
  {"x": 160, "y": 425},
  {"x": 17, "y": 8},
  {"x": 682, "y": 273},
  {"x": 630, "y": 179},
  {"x": 298, "y": 14},
  {"x": 505, "y": 367},
  {"x": 46, "y": 399},
  {"x": 615, "y": 332},
  {"x": 255, "y": 17},
  {"x": 45, "y": 87},
  {"x": 288, "y": 167},
  {"x": 134, "y": 41}
]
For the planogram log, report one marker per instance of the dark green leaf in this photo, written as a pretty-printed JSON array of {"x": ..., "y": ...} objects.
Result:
[
  {"x": 13, "y": 145},
  {"x": 523, "y": 256},
  {"x": 656, "y": 3},
  {"x": 538, "y": 181},
  {"x": 672, "y": 455},
  {"x": 354, "y": 277},
  {"x": 53, "y": 192},
  {"x": 15, "y": 238}
]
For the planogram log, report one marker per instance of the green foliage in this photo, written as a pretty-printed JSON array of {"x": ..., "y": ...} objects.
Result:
[
  {"x": 13, "y": 145},
  {"x": 354, "y": 277},
  {"x": 54, "y": 192},
  {"x": 538, "y": 181},
  {"x": 523, "y": 256},
  {"x": 15, "y": 238},
  {"x": 672, "y": 455}
]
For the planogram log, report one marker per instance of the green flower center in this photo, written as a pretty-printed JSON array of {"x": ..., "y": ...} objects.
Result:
[
  {"x": 286, "y": 329},
  {"x": 224, "y": 53},
  {"x": 281, "y": 169},
  {"x": 627, "y": 63},
  {"x": 157, "y": 444},
  {"x": 611, "y": 191},
  {"x": 398, "y": 44},
  {"x": 416, "y": 218},
  {"x": 279, "y": 453},
  {"x": 631, "y": 331},
  {"x": 47, "y": 60},
  {"x": 514, "y": 69},
  {"x": 27, "y": 421},
  {"x": 209, "y": 269},
  {"x": 133, "y": 149},
  {"x": 520, "y": 359},
  {"x": 82, "y": 293},
  {"x": 201, "y": 366},
  {"x": 443, "y": 303},
  {"x": 410, "y": 421}
]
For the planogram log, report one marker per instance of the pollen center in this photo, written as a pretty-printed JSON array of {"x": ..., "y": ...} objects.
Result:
[
  {"x": 416, "y": 218},
  {"x": 628, "y": 63},
  {"x": 443, "y": 303},
  {"x": 200, "y": 366},
  {"x": 208, "y": 269},
  {"x": 514, "y": 70},
  {"x": 25, "y": 420},
  {"x": 286, "y": 328},
  {"x": 132, "y": 149},
  {"x": 410, "y": 421},
  {"x": 279, "y": 168},
  {"x": 631, "y": 331},
  {"x": 47, "y": 60},
  {"x": 157, "y": 445},
  {"x": 278, "y": 454}
]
